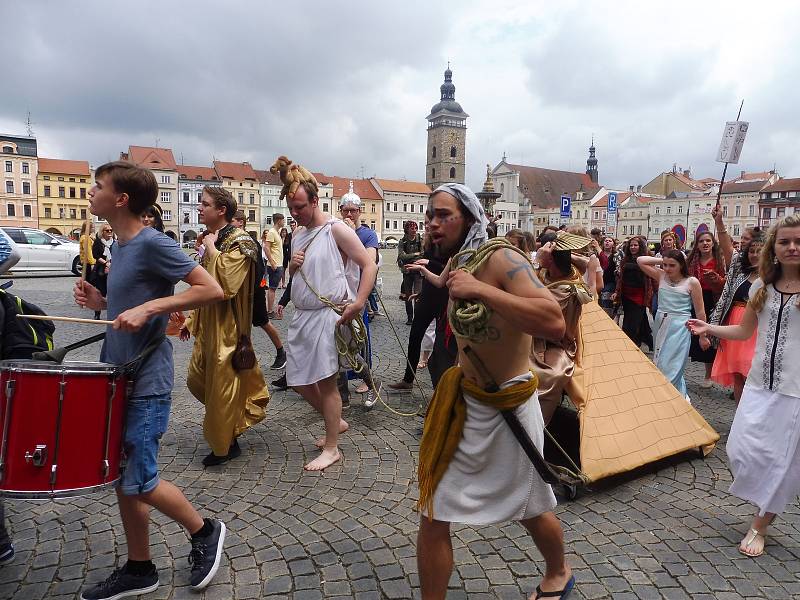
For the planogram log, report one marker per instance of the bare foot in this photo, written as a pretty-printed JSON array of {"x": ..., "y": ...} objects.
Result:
[
  {"x": 324, "y": 460},
  {"x": 343, "y": 426},
  {"x": 363, "y": 388},
  {"x": 753, "y": 544}
]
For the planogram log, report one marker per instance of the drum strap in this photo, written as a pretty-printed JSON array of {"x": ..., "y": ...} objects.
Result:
[{"x": 132, "y": 367}]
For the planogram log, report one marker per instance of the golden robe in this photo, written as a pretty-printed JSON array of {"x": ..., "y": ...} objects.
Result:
[
  {"x": 557, "y": 363},
  {"x": 233, "y": 401}
]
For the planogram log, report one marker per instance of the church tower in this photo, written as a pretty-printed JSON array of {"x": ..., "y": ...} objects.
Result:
[
  {"x": 447, "y": 138},
  {"x": 591, "y": 163}
]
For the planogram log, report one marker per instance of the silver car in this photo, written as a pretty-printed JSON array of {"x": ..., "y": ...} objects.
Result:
[{"x": 42, "y": 251}]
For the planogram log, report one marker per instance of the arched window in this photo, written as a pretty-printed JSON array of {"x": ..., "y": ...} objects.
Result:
[
  {"x": 433, "y": 152},
  {"x": 452, "y": 172},
  {"x": 433, "y": 173},
  {"x": 452, "y": 151},
  {"x": 502, "y": 188}
]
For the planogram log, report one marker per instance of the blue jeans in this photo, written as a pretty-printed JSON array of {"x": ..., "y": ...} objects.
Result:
[{"x": 145, "y": 423}]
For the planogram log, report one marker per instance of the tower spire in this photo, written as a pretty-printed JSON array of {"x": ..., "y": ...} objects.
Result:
[{"x": 591, "y": 163}]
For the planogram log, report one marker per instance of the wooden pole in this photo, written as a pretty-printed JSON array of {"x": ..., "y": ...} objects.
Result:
[
  {"x": 87, "y": 246},
  {"x": 66, "y": 319}
]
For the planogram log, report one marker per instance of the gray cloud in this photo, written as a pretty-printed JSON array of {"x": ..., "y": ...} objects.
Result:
[{"x": 345, "y": 85}]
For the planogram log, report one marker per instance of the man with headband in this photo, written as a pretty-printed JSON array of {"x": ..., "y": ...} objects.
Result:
[{"x": 471, "y": 467}]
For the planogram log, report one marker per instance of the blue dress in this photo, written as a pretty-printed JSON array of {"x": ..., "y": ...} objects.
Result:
[{"x": 672, "y": 339}]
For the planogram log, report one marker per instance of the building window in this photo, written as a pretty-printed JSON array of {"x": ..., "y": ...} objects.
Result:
[
  {"x": 395, "y": 207},
  {"x": 8, "y": 149},
  {"x": 73, "y": 213},
  {"x": 433, "y": 173},
  {"x": 46, "y": 177},
  {"x": 83, "y": 192},
  {"x": 11, "y": 210},
  {"x": 738, "y": 211},
  {"x": 48, "y": 212},
  {"x": 241, "y": 197},
  {"x": 736, "y": 230},
  {"x": 658, "y": 210},
  {"x": 324, "y": 207},
  {"x": 372, "y": 224},
  {"x": 72, "y": 179},
  {"x": 596, "y": 215},
  {"x": 9, "y": 167},
  {"x": 765, "y": 213},
  {"x": 680, "y": 209},
  {"x": 83, "y": 180},
  {"x": 186, "y": 218},
  {"x": 405, "y": 207},
  {"x": 61, "y": 212},
  {"x": 669, "y": 210},
  {"x": 252, "y": 198},
  {"x": 781, "y": 211},
  {"x": 166, "y": 197},
  {"x": 199, "y": 197},
  {"x": 452, "y": 151},
  {"x": 251, "y": 216},
  {"x": 26, "y": 187},
  {"x": 83, "y": 214},
  {"x": 167, "y": 215},
  {"x": 26, "y": 210},
  {"x": 421, "y": 208},
  {"x": 186, "y": 197},
  {"x": 9, "y": 187},
  {"x": 61, "y": 179},
  {"x": 387, "y": 224},
  {"x": 725, "y": 211},
  {"x": 752, "y": 211},
  {"x": 72, "y": 192},
  {"x": 25, "y": 169},
  {"x": 395, "y": 225},
  {"x": 372, "y": 208},
  {"x": 624, "y": 230},
  {"x": 452, "y": 172},
  {"x": 165, "y": 179},
  {"x": 433, "y": 152}
]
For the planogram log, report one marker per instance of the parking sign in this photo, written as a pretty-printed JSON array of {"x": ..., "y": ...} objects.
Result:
[
  {"x": 566, "y": 206},
  {"x": 612, "y": 202}
]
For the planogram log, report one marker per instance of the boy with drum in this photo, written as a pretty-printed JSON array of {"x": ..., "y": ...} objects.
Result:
[{"x": 141, "y": 285}]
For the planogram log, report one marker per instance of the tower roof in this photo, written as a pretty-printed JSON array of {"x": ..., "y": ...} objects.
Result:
[{"x": 448, "y": 103}]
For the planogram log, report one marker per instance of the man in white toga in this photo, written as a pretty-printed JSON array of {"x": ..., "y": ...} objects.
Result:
[{"x": 326, "y": 259}]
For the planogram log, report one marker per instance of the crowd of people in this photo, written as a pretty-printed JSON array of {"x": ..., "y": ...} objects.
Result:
[{"x": 495, "y": 320}]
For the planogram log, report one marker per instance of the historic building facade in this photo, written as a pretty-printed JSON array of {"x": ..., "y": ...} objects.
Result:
[
  {"x": 241, "y": 181},
  {"x": 778, "y": 200},
  {"x": 162, "y": 163},
  {"x": 63, "y": 189},
  {"x": 402, "y": 201},
  {"x": 191, "y": 181},
  {"x": 18, "y": 207},
  {"x": 447, "y": 138}
]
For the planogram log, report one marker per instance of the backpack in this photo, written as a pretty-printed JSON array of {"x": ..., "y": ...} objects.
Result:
[
  {"x": 20, "y": 338},
  {"x": 260, "y": 292}
]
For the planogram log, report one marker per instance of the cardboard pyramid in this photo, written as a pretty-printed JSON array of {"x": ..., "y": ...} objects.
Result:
[{"x": 629, "y": 414}]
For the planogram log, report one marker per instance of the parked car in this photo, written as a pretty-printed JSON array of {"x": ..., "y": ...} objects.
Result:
[
  {"x": 391, "y": 244},
  {"x": 42, "y": 251}
]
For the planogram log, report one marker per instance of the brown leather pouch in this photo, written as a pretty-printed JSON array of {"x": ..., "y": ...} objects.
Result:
[{"x": 244, "y": 357}]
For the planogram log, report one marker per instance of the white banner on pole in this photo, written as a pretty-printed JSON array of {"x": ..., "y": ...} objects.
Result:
[{"x": 732, "y": 141}]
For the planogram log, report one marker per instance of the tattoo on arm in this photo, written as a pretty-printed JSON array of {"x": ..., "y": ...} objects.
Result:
[
  {"x": 521, "y": 265},
  {"x": 492, "y": 333}
]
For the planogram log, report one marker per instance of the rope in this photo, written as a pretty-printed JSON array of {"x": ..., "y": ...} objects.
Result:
[{"x": 470, "y": 318}]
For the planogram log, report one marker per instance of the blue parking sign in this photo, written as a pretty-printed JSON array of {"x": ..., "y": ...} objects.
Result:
[
  {"x": 612, "y": 202},
  {"x": 566, "y": 206}
]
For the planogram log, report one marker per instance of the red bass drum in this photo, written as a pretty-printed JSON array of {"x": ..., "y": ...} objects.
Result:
[{"x": 62, "y": 427}]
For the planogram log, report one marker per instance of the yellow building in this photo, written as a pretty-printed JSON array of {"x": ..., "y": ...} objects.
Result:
[
  {"x": 63, "y": 195},
  {"x": 18, "y": 186},
  {"x": 242, "y": 182}
]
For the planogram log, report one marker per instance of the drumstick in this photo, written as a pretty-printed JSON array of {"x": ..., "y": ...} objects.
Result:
[
  {"x": 88, "y": 246},
  {"x": 66, "y": 319}
]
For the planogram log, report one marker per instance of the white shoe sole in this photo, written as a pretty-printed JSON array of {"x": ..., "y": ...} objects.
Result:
[
  {"x": 129, "y": 593},
  {"x": 215, "y": 567}
]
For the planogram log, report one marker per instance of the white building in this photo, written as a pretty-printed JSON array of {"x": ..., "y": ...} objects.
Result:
[
  {"x": 271, "y": 186},
  {"x": 191, "y": 181},
  {"x": 402, "y": 201}
]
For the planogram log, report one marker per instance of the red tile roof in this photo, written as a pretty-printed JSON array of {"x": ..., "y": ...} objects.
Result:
[
  {"x": 743, "y": 187},
  {"x": 544, "y": 187},
  {"x": 784, "y": 185},
  {"x": 236, "y": 171},
  {"x": 405, "y": 187},
  {"x": 602, "y": 201},
  {"x": 64, "y": 167},
  {"x": 762, "y": 176},
  {"x": 191, "y": 172},
  {"x": 268, "y": 178},
  {"x": 362, "y": 187},
  {"x": 152, "y": 158}
]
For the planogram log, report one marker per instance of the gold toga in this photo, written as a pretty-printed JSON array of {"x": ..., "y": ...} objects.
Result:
[
  {"x": 557, "y": 363},
  {"x": 233, "y": 401}
]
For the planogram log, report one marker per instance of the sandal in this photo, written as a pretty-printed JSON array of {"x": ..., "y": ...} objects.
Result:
[
  {"x": 562, "y": 594},
  {"x": 749, "y": 539},
  {"x": 422, "y": 364}
]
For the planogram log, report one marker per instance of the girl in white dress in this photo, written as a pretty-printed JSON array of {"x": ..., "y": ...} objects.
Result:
[{"x": 764, "y": 442}]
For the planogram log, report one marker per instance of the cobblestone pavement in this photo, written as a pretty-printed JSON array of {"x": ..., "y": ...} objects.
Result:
[{"x": 350, "y": 532}]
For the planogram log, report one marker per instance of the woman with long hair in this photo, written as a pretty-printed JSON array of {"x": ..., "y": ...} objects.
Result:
[
  {"x": 608, "y": 263},
  {"x": 732, "y": 363},
  {"x": 678, "y": 293},
  {"x": 764, "y": 441},
  {"x": 706, "y": 264},
  {"x": 101, "y": 251},
  {"x": 635, "y": 292},
  {"x": 151, "y": 217}
]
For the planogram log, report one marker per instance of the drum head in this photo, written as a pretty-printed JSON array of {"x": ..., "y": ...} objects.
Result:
[{"x": 44, "y": 366}]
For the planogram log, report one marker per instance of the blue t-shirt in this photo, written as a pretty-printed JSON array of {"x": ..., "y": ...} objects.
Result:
[
  {"x": 367, "y": 236},
  {"x": 143, "y": 269}
]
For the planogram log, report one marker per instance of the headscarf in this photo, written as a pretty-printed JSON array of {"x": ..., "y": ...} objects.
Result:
[{"x": 477, "y": 233}]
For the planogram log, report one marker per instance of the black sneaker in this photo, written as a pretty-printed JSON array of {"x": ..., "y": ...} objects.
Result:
[
  {"x": 280, "y": 361},
  {"x": 205, "y": 555},
  {"x": 233, "y": 452},
  {"x": 280, "y": 383},
  {"x": 6, "y": 553},
  {"x": 121, "y": 584}
]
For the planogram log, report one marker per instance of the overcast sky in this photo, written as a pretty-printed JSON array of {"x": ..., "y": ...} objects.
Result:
[{"x": 342, "y": 86}]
